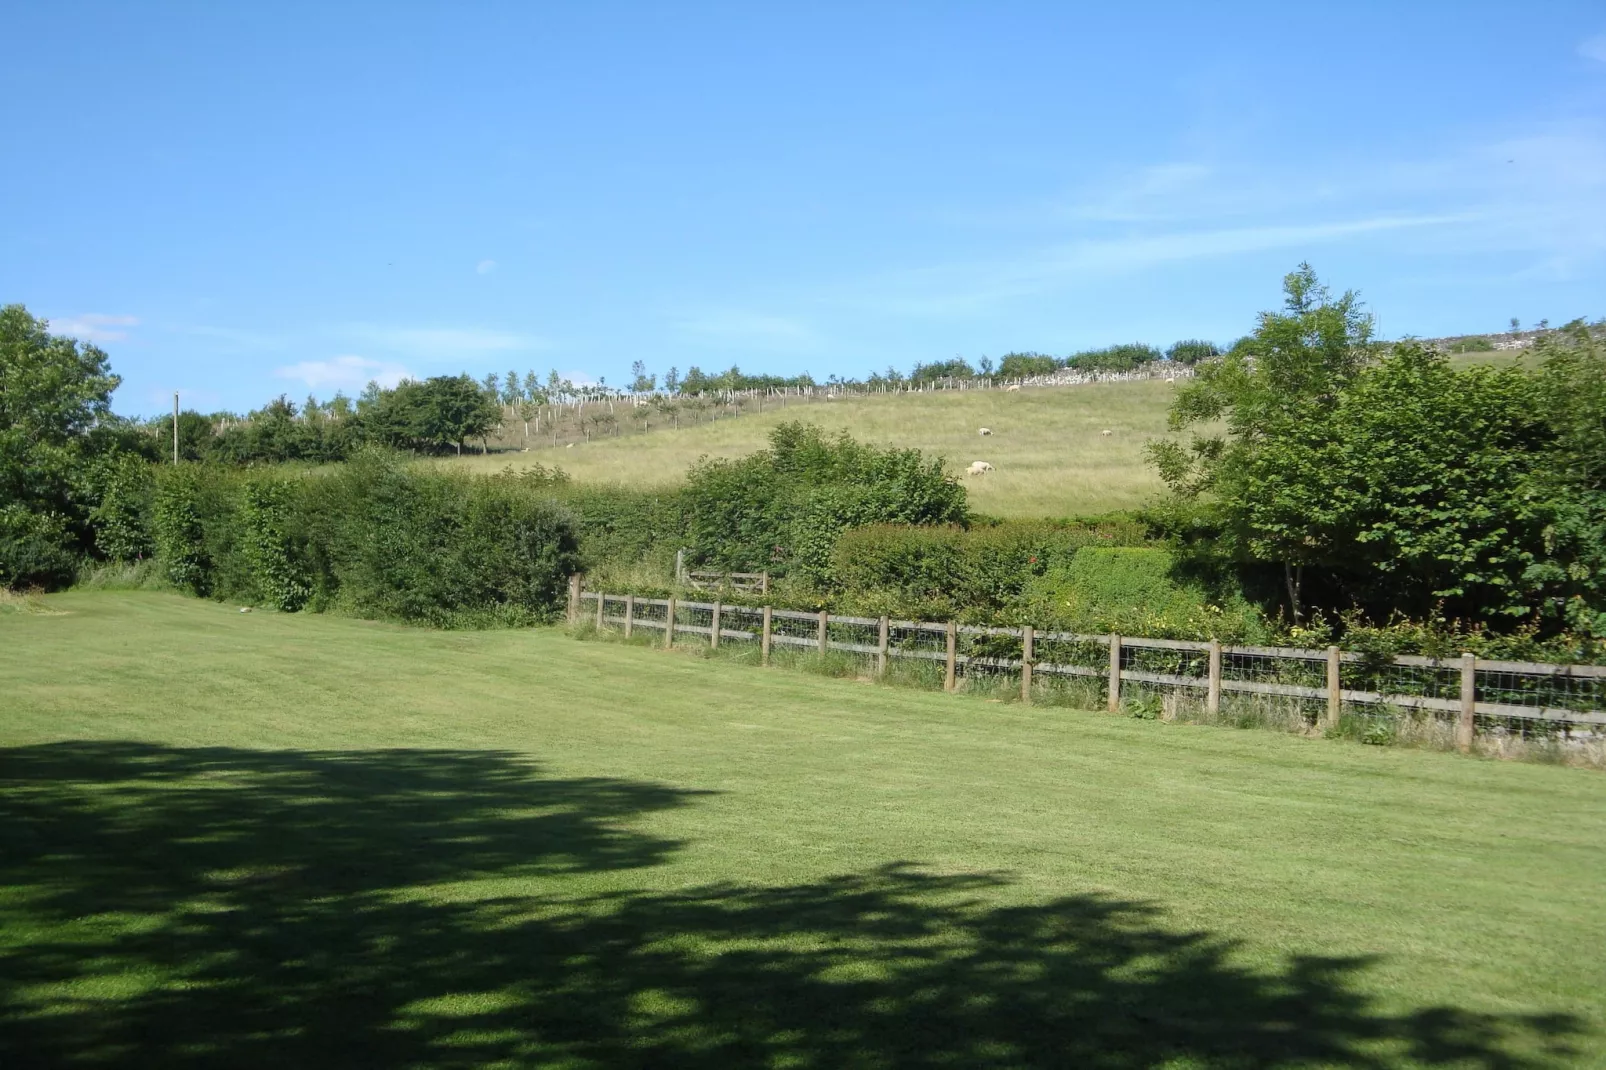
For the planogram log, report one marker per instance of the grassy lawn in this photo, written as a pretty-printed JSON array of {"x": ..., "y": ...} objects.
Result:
[
  {"x": 259, "y": 840},
  {"x": 1049, "y": 456}
]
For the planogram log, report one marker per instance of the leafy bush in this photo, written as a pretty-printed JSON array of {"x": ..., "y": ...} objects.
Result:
[
  {"x": 1117, "y": 358},
  {"x": 782, "y": 508},
  {"x": 177, "y": 531},
  {"x": 36, "y": 548},
  {"x": 376, "y": 538},
  {"x": 1024, "y": 365},
  {"x": 950, "y": 571},
  {"x": 120, "y": 485},
  {"x": 1192, "y": 351},
  {"x": 1135, "y": 590}
]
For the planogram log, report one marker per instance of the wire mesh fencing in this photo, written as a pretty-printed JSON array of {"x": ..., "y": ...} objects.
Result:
[{"x": 1287, "y": 687}]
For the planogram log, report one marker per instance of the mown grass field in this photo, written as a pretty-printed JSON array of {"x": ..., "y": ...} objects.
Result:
[
  {"x": 1049, "y": 456},
  {"x": 252, "y": 839}
]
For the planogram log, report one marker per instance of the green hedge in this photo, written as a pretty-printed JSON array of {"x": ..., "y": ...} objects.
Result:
[
  {"x": 950, "y": 571},
  {"x": 375, "y": 538},
  {"x": 1137, "y": 590}
]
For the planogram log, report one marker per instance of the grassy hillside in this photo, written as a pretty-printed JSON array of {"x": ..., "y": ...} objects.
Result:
[
  {"x": 252, "y": 839},
  {"x": 1049, "y": 456}
]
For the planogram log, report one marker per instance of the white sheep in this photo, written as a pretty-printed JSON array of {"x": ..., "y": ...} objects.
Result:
[
  {"x": 1106, "y": 432},
  {"x": 1012, "y": 386},
  {"x": 978, "y": 468},
  {"x": 984, "y": 432}
]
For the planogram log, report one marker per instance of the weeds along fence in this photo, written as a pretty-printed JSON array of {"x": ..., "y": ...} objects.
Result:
[{"x": 1337, "y": 690}]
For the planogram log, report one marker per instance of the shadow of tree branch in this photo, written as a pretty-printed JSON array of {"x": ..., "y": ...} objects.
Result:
[{"x": 213, "y": 907}]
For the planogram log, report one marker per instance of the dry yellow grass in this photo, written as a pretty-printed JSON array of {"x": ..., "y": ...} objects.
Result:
[{"x": 1048, "y": 450}]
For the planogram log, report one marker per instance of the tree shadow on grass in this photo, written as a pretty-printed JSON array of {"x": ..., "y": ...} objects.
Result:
[{"x": 188, "y": 908}]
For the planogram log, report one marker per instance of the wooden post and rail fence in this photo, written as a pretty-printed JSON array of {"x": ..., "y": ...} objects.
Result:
[{"x": 1468, "y": 687}]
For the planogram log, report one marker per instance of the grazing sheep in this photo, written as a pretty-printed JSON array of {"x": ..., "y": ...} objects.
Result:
[
  {"x": 978, "y": 468},
  {"x": 1012, "y": 386},
  {"x": 984, "y": 432},
  {"x": 1106, "y": 432}
]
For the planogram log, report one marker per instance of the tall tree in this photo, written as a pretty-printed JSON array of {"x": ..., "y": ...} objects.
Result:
[
  {"x": 54, "y": 392},
  {"x": 1284, "y": 376}
]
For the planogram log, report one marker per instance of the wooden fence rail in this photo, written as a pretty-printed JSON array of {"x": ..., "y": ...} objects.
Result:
[{"x": 1469, "y": 687}]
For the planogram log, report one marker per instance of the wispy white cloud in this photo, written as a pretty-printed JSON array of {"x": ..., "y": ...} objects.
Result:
[
  {"x": 94, "y": 327},
  {"x": 443, "y": 343},
  {"x": 345, "y": 372},
  {"x": 962, "y": 288},
  {"x": 739, "y": 327},
  {"x": 1594, "y": 48},
  {"x": 485, "y": 267},
  {"x": 232, "y": 337},
  {"x": 1537, "y": 196}
]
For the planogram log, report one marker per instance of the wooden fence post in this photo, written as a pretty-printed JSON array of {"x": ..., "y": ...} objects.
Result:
[
  {"x": 1115, "y": 673},
  {"x": 764, "y": 641},
  {"x": 950, "y": 676},
  {"x": 574, "y": 599},
  {"x": 825, "y": 633},
  {"x": 1026, "y": 639},
  {"x": 882, "y": 644},
  {"x": 1469, "y": 702},
  {"x": 764, "y": 582},
  {"x": 713, "y": 632},
  {"x": 680, "y": 566},
  {"x": 602, "y": 600},
  {"x": 669, "y": 625},
  {"x": 630, "y": 615},
  {"x": 1213, "y": 694},
  {"x": 1335, "y": 687}
]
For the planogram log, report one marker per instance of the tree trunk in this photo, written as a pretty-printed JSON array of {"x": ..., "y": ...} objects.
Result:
[{"x": 1294, "y": 578}]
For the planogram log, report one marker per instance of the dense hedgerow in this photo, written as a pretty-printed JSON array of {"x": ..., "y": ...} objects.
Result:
[
  {"x": 376, "y": 538},
  {"x": 782, "y": 509},
  {"x": 950, "y": 571}
]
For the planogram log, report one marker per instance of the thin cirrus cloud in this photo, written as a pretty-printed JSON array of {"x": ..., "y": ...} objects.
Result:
[
  {"x": 1594, "y": 48},
  {"x": 346, "y": 372},
  {"x": 740, "y": 327},
  {"x": 485, "y": 267},
  {"x": 94, "y": 327},
  {"x": 443, "y": 343},
  {"x": 962, "y": 288}
]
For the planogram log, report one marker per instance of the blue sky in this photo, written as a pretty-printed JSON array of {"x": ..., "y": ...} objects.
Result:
[{"x": 238, "y": 200}]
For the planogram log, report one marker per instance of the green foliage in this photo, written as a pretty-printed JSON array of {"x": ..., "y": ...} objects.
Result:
[
  {"x": 956, "y": 368},
  {"x": 1476, "y": 343},
  {"x": 1192, "y": 351},
  {"x": 36, "y": 548},
  {"x": 1025, "y": 365},
  {"x": 375, "y": 538},
  {"x": 782, "y": 508},
  {"x": 120, "y": 485},
  {"x": 1135, "y": 590},
  {"x": 265, "y": 517},
  {"x": 54, "y": 392},
  {"x": 939, "y": 572},
  {"x": 1117, "y": 358},
  {"x": 177, "y": 531}
]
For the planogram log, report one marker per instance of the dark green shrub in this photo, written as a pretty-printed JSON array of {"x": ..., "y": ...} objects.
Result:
[
  {"x": 266, "y": 506},
  {"x": 781, "y": 509},
  {"x": 121, "y": 485},
  {"x": 1192, "y": 351},
  {"x": 1137, "y": 591},
  {"x": 376, "y": 538},
  {"x": 37, "y": 548},
  {"x": 946, "y": 571},
  {"x": 1024, "y": 365},
  {"x": 177, "y": 532}
]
